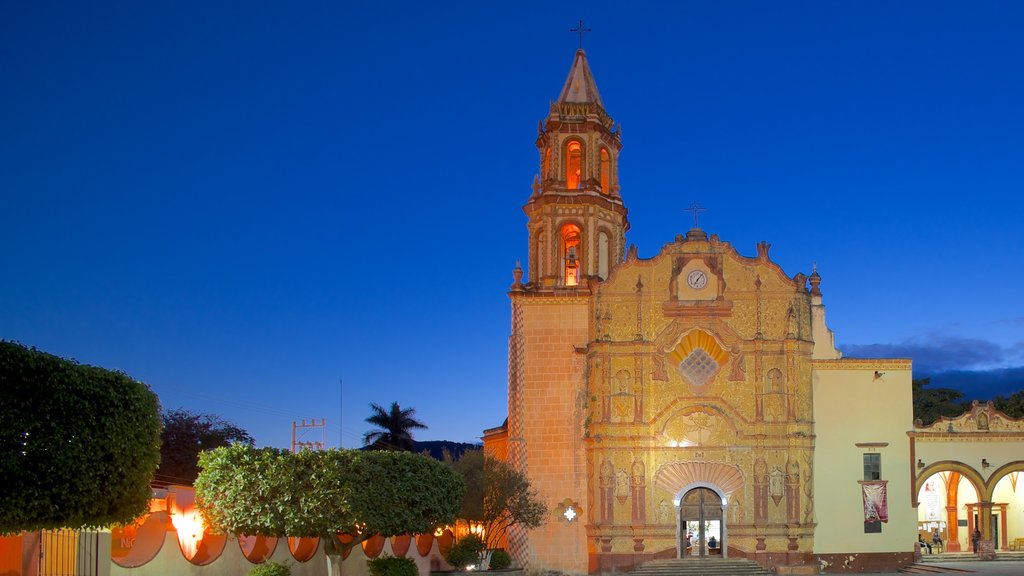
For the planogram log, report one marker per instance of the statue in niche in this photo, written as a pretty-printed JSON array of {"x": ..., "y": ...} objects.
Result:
[
  {"x": 622, "y": 405},
  {"x": 621, "y": 486},
  {"x": 775, "y": 396},
  {"x": 776, "y": 484},
  {"x": 982, "y": 421}
]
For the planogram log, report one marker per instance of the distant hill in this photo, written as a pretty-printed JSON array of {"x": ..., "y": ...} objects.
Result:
[{"x": 436, "y": 448}]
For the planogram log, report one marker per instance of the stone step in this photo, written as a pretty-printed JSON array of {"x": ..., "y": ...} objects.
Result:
[
  {"x": 942, "y": 558},
  {"x": 931, "y": 569},
  {"x": 701, "y": 567}
]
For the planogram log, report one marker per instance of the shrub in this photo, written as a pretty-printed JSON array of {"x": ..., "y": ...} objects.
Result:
[
  {"x": 500, "y": 560},
  {"x": 78, "y": 444},
  {"x": 392, "y": 566},
  {"x": 270, "y": 569},
  {"x": 465, "y": 552}
]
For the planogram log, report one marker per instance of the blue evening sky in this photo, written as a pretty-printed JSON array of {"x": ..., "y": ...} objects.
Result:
[{"x": 242, "y": 203}]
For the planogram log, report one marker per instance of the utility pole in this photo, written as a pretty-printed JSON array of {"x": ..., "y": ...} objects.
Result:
[{"x": 301, "y": 431}]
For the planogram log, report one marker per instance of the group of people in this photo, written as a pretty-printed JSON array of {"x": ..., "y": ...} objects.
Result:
[
  {"x": 937, "y": 540},
  {"x": 712, "y": 542}
]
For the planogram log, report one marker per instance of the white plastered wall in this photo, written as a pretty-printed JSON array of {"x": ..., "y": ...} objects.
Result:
[{"x": 853, "y": 405}]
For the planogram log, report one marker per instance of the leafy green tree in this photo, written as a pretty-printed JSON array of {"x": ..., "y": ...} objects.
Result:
[
  {"x": 78, "y": 444},
  {"x": 497, "y": 495},
  {"x": 1012, "y": 405},
  {"x": 395, "y": 428},
  {"x": 271, "y": 492},
  {"x": 185, "y": 434},
  {"x": 932, "y": 404}
]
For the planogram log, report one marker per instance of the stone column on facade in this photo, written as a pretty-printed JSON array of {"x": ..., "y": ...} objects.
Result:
[
  {"x": 790, "y": 379},
  {"x": 607, "y": 484},
  {"x": 952, "y": 504},
  {"x": 986, "y": 548},
  {"x": 518, "y": 541},
  {"x": 793, "y": 493},
  {"x": 760, "y": 492},
  {"x": 759, "y": 376},
  {"x": 638, "y": 485}
]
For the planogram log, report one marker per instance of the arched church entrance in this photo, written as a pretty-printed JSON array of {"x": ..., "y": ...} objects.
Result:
[{"x": 701, "y": 524}]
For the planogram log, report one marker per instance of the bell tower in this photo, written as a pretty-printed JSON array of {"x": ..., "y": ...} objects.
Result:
[{"x": 577, "y": 221}]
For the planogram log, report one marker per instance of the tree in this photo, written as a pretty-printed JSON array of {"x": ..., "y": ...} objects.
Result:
[
  {"x": 185, "y": 435},
  {"x": 1012, "y": 406},
  {"x": 396, "y": 426},
  {"x": 931, "y": 404},
  {"x": 498, "y": 496},
  {"x": 78, "y": 444},
  {"x": 271, "y": 492}
]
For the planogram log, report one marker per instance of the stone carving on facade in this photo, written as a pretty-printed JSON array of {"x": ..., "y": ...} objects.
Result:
[
  {"x": 739, "y": 515},
  {"x": 982, "y": 417},
  {"x": 776, "y": 484},
  {"x": 607, "y": 484},
  {"x": 793, "y": 492},
  {"x": 638, "y": 486},
  {"x": 760, "y": 491},
  {"x": 808, "y": 494},
  {"x": 621, "y": 486},
  {"x": 665, "y": 515},
  {"x": 738, "y": 372}
]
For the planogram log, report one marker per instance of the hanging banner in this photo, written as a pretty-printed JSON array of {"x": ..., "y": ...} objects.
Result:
[{"x": 876, "y": 506}]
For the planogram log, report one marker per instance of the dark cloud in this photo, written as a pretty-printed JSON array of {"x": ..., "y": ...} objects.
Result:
[
  {"x": 937, "y": 353},
  {"x": 958, "y": 363},
  {"x": 978, "y": 384}
]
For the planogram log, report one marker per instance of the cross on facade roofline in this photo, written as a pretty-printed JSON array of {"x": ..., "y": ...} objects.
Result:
[
  {"x": 696, "y": 209},
  {"x": 579, "y": 29}
]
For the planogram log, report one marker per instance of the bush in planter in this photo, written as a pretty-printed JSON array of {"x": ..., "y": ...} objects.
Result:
[
  {"x": 465, "y": 552},
  {"x": 500, "y": 560},
  {"x": 270, "y": 569},
  {"x": 392, "y": 566}
]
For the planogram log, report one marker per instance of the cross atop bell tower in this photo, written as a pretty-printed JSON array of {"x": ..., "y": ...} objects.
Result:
[{"x": 577, "y": 219}]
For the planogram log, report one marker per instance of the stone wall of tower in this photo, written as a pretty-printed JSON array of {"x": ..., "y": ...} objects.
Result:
[{"x": 548, "y": 420}]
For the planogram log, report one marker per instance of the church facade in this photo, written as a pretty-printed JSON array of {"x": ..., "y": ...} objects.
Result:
[{"x": 692, "y": 404}]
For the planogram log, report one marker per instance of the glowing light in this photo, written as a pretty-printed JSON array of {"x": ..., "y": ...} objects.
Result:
[
  {"x": 190, "y": 527},
  {"x": 570, "y": 514}
]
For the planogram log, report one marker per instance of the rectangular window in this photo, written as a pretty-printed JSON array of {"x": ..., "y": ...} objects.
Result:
[{"x": 872, "y": 466}]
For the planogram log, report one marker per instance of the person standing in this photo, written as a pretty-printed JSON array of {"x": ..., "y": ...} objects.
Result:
[{"x": 975, "y": 538}]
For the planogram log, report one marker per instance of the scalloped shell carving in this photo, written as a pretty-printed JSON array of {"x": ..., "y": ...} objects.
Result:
[{"x": 672, "y": 477}]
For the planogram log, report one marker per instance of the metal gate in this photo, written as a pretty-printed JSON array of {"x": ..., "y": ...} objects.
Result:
[{"x": 69, "y": 553}]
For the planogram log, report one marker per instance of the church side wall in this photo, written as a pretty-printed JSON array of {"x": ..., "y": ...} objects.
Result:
[
  {"x": 867, "y": 403},
  {"x": 555, "y": 456}
]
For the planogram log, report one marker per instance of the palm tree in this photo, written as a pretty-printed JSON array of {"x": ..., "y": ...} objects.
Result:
[{"x": 396, "y": 428}]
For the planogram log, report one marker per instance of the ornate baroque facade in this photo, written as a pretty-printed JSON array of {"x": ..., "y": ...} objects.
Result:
[{"x": 651, "y": 399}]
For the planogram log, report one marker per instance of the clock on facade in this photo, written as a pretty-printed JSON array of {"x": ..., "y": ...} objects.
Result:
[{"x": 697, "y": 279}]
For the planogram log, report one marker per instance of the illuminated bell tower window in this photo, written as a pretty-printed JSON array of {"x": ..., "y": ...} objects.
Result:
[
  {"x": 573, "y": 164},
  {"x": 571, "y": 253},
  {"x": 606, "y": 172}
]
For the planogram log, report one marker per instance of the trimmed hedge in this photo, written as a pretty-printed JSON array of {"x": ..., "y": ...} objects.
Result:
[{"x": 78, "y": 444}]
